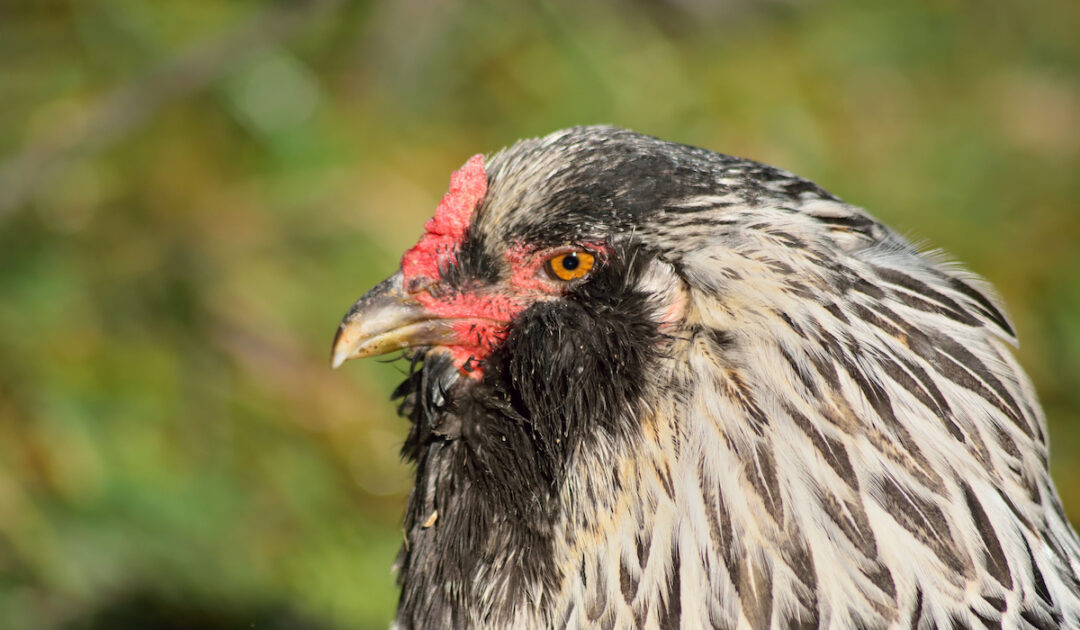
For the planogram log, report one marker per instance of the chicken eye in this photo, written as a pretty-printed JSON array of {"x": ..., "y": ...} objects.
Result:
[{"x": 570, "y": 266}]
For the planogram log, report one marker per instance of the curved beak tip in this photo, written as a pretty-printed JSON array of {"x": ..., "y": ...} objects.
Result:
[
  {"x": 336, "y": 359},
  {"x": 351, "y": 339},
  {"x": 338, "y": 353}
]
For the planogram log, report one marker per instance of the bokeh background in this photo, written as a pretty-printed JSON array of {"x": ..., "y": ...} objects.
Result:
[{"x": 193, "y": 193}]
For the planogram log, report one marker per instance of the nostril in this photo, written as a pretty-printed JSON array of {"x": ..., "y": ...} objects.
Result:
[
  {"x": 421, "y": 284},
  {"x": 417, "y": 284}
]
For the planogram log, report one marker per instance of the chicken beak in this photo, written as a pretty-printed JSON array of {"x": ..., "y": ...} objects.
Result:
[{"x": 386, "y": 319}]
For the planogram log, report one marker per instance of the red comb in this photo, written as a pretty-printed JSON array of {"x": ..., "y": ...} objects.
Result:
[{"x": 444, "y": 231}]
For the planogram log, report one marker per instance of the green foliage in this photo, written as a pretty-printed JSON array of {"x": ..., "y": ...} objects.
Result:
[{"x": 171, "y": 274}]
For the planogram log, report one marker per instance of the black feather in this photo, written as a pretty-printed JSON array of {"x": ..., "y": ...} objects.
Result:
[{"x": 491, "y": 455}]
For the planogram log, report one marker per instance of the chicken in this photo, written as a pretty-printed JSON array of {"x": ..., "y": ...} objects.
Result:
[{"x": 654, "y": 386}]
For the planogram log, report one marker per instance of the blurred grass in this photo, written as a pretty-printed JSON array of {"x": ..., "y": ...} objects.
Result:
[{"x": 168, "y": 424}]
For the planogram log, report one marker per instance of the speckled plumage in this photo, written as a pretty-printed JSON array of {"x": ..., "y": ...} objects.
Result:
[{"x": 764, "y": 409}]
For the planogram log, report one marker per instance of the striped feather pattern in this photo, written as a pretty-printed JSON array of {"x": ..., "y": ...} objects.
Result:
[{"x": 858, "y": 448}]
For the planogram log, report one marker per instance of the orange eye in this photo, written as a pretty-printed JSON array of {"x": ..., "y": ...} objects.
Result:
[{"x": 571, "y": 265}]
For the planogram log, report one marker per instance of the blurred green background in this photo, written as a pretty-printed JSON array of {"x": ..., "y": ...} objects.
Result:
[{"x": 193, "y": 193}]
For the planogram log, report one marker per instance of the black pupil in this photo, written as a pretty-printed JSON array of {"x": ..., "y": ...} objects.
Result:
[{"x": 570, "y": 262}]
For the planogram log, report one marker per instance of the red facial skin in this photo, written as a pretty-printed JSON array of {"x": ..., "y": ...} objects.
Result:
[{"x": 483, "y": 317}]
